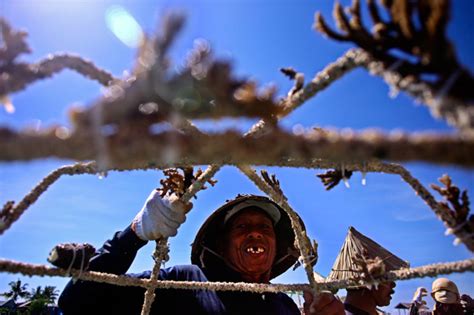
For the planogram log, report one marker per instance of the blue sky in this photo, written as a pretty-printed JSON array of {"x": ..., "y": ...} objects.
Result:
[{"x": 259, "y": 37}]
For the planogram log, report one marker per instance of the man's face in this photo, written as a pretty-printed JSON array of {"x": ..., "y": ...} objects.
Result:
[
  {"x": 445, "y": 296},
  {"x": 383, "y": 293},
  {"x": 250, "y": 244}
]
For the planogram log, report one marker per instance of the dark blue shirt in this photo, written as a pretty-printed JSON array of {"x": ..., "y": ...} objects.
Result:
[{"x": 116, "y": 256}]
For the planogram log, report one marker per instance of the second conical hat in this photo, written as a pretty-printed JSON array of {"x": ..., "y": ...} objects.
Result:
[{"x": 357, "y": 244}]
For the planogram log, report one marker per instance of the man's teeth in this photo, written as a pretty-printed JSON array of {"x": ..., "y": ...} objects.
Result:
[{"x": 255, "y": 250}]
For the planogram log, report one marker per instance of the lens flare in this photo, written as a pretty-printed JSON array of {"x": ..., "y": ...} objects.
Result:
[{"x": 124, "y": 26}]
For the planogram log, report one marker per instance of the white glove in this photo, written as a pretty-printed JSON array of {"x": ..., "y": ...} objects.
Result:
[
  {"x": 419, "y": 294},
  {"x": 160, "y": 217}
]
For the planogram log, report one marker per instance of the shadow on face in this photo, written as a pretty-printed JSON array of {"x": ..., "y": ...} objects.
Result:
[
  {"x": 383, "y": 293},
  {"x": 249, "y": 244}
]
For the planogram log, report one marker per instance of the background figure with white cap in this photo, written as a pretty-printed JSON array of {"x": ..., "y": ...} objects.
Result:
[{"x": 447, "y": 299}]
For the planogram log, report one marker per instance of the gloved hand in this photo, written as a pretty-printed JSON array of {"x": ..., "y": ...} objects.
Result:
[
  {"x": 160, "y": 217},
  {"x": 419, "y": 294},
  {"x": 467, "y": 303}
]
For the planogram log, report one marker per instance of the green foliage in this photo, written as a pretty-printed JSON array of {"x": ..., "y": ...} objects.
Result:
[
  {"x": 36, "y": 294},
  {"x": 4, "y": 310},
  {"x": 38, "y": 297},
  {"x": 49, "y": 294},
  {"x": 38, "y": 306},
  {"x": 17, "y": 290}
]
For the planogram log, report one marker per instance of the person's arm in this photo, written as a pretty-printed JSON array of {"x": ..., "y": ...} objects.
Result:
[
  {"x": 115, "y": 256},
  {"x": 418, "y": 301},
  {"x": 159, "y": 217},
  {"x": 325, "y": 303},
  {"x": 118, "y": 253},
  {"x": 414, "y": 309},
  {"x": 468, "y": 304}
]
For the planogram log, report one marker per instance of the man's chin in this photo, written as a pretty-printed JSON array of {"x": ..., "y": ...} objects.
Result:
[
  {"x": 387, "y": 303},
  {"x": 257, "y": 267}
]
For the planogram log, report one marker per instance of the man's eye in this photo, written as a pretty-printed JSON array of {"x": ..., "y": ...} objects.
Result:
[{"x": 241, "y": 226}]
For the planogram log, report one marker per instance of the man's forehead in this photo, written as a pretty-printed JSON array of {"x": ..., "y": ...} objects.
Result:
[{"x": 251, "y": 213}]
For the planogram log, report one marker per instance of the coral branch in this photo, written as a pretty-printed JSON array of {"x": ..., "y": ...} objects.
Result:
[
  {"x": 206, "y": 88},
  {"x": 214, "y": 93},
  {"x": 13, "y": 43},
  {"x": 161, "y": 250},
  {"x": 298, "y": 77},
  {"x": 273, "y": 182},
  {"x": 457, "y": 112},
  {"x": 368, "y": 268},
  {"x": 331, "y": 178},
  {"x": 463, "y": 234},
  {"x": 461, "y": 223},
  {"x": 123, "y": 280},
  {"x": 427, "y": 42},
  {"x": 159, "y": 255},
  {"x": 432, "y": 270},
  {"x": 321, "y": 81},
  {"x": 171, "y": 25},
  {"x": 430, "y": 52},
  {"x": 175, "y": 182},
  {"x": 198, "y": 185},
  {"x": 458, "y": 203},
  {"x": 230, "y": 147},
  {"x": 180, "y": 183},
  {"x": 12, "y": 213},
  {"x": 56, "y": 63},
  {"x": 18, "y": 76}
]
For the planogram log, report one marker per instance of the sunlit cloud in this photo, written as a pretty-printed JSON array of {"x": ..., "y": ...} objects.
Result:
[
  {"x": 30, "y": 226},
  {"x": 413, "y": 215},
  {"x": 124, "y": 26}
]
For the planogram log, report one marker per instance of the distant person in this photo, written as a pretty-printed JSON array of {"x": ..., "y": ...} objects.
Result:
[
  {"x": 364, "y": 301},
  {"x": 447, "y": 299},
  {"x": 361, "y": 257},
  {"x": 421, "y": 309},
  {"x": 247, "y": 239}
]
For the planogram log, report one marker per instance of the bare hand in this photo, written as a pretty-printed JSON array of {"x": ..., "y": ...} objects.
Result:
[
  {"x": 325, "y": 303},
  {"x": 419, "y": 294}
]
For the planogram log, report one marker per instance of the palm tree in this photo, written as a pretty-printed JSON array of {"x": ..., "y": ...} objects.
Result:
[
  {"x": 50, "y": 294},
  {"x": 36, "y": 294},
  {"x": 38, "y": 301},
  {"x": 17, "y": 290}
]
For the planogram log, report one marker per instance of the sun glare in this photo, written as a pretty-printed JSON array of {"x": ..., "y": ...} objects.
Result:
[{"x": 124, "y": 26}]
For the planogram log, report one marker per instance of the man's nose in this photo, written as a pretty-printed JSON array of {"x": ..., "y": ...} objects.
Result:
[{"x": 254, "y": 233}]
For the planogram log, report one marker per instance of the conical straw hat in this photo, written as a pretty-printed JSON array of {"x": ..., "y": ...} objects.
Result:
[{"x": 357, "y": 244}]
